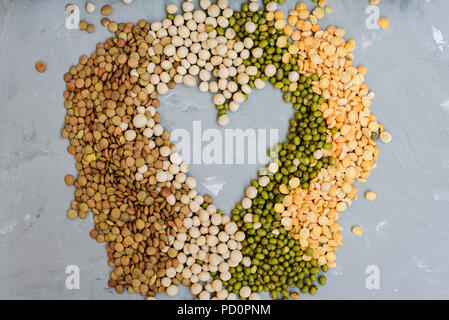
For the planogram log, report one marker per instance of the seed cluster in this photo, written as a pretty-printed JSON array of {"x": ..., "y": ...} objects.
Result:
[
  {"x": 306, "y": 205},
  {"x": 136, "y": 218},
  {"x": 277, "y": 260},
  {"x": 314, "y": 211},
  {"x": 159, "y": 232}
]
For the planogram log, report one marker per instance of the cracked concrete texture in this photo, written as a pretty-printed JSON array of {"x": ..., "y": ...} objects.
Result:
[{"x": 405, "y": 228}]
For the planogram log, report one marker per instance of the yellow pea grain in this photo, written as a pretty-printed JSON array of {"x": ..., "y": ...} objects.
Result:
[
  {"x": 321, "y": 3},
  {"x": 288, "y": 30},
  {"x": 362, "y": 70},
  {"x": 385, "y": 137},
  {"x": 279, "y": 208},
  {"x": 318, "y": 13},
  {"x": 294, "y": 182},
  {"x": 281, "y": 42},
  {"x": 301, "y": 5},
  {"x": 370, "y": 196},
  {"x": 278, "y": 15},
  {"x": 357, "y": 231},
  {"x": 303, "y": 13},
  {"x": 384, "y": 23},
  {"x": 279, "y": 24},
  {"x": 340, "y": 32},
  {"x": 292, "y": 20},
  {"x": 341, "y": 206}
]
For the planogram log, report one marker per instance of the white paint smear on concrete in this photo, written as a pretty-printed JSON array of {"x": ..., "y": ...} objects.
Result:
[{"x": 439, "y": 38}]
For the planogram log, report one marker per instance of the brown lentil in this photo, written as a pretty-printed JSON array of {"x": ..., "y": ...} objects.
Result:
[
  {"x": 40, "y": 66},
  {"x": 90, "y": 28},
  {"x": 69, "y": 180},
  {"x": 106, "y": 10},
  {"x": 83, "y": 25}
]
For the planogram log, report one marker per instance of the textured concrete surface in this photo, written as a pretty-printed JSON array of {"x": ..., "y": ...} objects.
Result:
[{"x": 405, "y": 228}]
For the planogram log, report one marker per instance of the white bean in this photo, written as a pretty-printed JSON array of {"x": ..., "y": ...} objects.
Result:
[
  {"x": 219, "y": 99},
  {"x": 253, "y": 6},
  {"x": 204, "y": 4},
  {"x": 259, "y": 83},
  {"x": 204, "y": 295},
  {"x": 225, "y": 276},
  {"x": 271, "y": 6},
  {"x": 199, "y": 16},
  {"x": 231, "y": 228},
  {"x": 293, "y": 76},
  {"x": 270, "y": 70},
  {"x": 250, "y": 27},
  {"x": 203, "y": 86},
  {"x": 222, "y": 294},
  {"x": 234, "y": 106},
  {"x": 227, "y": 13},
  {"x": 223, "y": 120},
  {"x": 171, "y": 8},
  {"x": 196, "y": 288},
  {"x": 187, "y": 6},
  {"x": 189, "y": 80},
  {"x": 204, "y": 276},
  {"x": 245, "y": 291},
  {"x": 213, "y": 11},
  {"x": 246, "y": 203}
]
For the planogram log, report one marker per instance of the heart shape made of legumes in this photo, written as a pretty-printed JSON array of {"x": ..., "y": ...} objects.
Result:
[{"x": 159, "y": 232}]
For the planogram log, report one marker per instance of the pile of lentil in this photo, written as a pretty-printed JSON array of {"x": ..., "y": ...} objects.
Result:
[{"x": 159, "y": 231}]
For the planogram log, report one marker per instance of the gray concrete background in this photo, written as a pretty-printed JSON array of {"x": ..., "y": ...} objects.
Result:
[{"x": 405, "y": 228}]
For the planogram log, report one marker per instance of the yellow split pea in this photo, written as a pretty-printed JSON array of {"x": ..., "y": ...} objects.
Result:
[
  {"x": 370, "y": 196},
  {"x": 385, "y": 137},
  {"x": 318, "y": 13},
  {"x": 384, "y": 23},
  {"x": 357, "y": 231}
]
